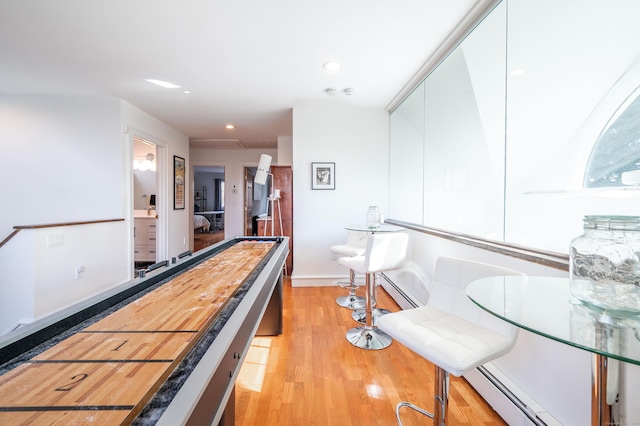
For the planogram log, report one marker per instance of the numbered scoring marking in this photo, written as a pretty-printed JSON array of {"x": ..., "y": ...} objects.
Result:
[
  {"x": 130, "y": 346},
  {"x": 76, "y": 379},
  {"x": 60, "y": 384}
]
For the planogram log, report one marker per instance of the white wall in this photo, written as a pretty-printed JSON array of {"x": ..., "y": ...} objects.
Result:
[
  {"x": 94, "y": 248},
  {"x": 68, "y": 159},
  {"x": 17, "y": 300},
  {"x": 285, "y": 150},
  {"x": 50, "y": 146},
  {"x": 357, "y": 140}
]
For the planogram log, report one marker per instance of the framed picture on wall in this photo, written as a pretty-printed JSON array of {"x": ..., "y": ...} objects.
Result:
[
  {"x": 178, "y": 182},
  {"x": 323, "y": 175}
]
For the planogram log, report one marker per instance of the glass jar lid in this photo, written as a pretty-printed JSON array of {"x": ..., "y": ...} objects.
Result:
[{"x": 612, "y": 223}]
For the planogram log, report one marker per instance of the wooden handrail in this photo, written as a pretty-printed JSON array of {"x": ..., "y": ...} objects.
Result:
[
  {"x": 19, "y": 228},
  {"x": 10, "y": 236}
]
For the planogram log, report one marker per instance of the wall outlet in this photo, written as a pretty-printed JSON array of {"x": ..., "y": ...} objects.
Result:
[{"x": 79, "y": 272}]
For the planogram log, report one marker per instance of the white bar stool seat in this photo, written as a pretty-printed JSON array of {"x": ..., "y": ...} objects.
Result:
[
  {"x": 355, "y": 245},
  {"x": 451, "y": 331},
  {"x": 385, "y": 252}
]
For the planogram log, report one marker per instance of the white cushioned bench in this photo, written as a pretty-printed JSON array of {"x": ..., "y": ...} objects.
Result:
[{"x": 450, "y": 330}]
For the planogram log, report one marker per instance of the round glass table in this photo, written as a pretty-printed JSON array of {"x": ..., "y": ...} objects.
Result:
[
  {"x": 360, "y": 315},
  {"x": 383, "y": 227},
  {"x": 363, "y": 336},
  {"x": 544, "y": 306}
]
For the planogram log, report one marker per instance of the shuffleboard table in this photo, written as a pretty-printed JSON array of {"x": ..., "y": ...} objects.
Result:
[{"x": 161, "y": 350}]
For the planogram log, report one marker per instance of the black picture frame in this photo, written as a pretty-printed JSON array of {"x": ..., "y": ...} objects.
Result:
[{"x": 179, "y": 179}]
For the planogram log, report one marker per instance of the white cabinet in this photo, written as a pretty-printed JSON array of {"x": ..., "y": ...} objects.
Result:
[{"x": 144, "y": 242}]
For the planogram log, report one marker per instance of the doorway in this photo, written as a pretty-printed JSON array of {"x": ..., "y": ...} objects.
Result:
[
  {"x": 276, "y": 195},
  {"x": 145, "y": 198},
  {"x": 256, "y": 203},
  {"x": 208, "y": 206}
]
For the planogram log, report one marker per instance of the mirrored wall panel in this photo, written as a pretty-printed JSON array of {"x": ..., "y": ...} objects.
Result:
[
  {"x": 406, "y": 159},
  {"x": 573, "y": 119},
  {"x": 464, "y": 134},
  {"x": 447, "y": 139},
  {"x": 565, "y": 144}
]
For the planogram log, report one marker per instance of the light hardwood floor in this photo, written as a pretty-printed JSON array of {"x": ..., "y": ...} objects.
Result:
[{"x": 311, "y": 375}]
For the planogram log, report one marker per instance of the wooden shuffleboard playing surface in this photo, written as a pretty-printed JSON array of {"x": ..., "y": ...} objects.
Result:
[{"x": 106, "y": 373}]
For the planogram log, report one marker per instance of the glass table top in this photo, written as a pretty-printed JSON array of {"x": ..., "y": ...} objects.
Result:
[
  {"x": 544, "y": 306},
  {"x": 384, "y": 227}
]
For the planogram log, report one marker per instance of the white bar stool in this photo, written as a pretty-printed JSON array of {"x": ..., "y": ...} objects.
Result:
[
  {"x": 355, "y": 245},
  {"x": 385, "y": 252},
  {"x": 450, "y": 331}
]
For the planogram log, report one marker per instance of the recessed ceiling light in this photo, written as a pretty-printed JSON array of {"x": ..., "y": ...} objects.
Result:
[
  {"x": 186, "y": 92},
  {"x": 332, "y": 66},
  {"x": 161, "y": 83},
  {"x": 230, "y": 126},
  {"x": 516, "y": 72}
]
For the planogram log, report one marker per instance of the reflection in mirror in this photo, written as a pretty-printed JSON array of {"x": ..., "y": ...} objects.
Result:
[
  {"x": 615, "y": 160},
  {"x": 464, "y": 134},
  {"x": 406, "y": 189},
  {"x": 560, "y": 103},
  {"x": 447, "y": 139},
  {"x": 569, "y": 146}
]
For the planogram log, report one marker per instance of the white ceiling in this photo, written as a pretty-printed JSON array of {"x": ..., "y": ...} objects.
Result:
[{"x": 246, "y": 62}]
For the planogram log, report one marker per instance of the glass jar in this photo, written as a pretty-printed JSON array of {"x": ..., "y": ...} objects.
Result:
[
  {"x": 604, "y": 263},
  {"x": 373, "y": 217}
]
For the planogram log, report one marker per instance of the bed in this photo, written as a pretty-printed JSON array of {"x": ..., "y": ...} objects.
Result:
[{"x": 200, "y": 221}]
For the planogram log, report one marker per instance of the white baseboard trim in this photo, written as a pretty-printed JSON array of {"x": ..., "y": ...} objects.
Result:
[
  {"x": 315, "y": 281},
  {"x": 322, "y": 280}
]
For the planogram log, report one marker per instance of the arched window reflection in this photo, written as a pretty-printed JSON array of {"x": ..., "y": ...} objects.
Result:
[{"x": 615, "y": 159}]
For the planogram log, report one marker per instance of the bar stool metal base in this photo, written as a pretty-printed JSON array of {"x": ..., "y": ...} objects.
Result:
[
  {"x": 413, "y": 407},
  {"x": 440, "y": 413},
  {"x": 351, "y": 302},
  {"x": 360, "y": 315},
  {"x": 365, "y": 337}
]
